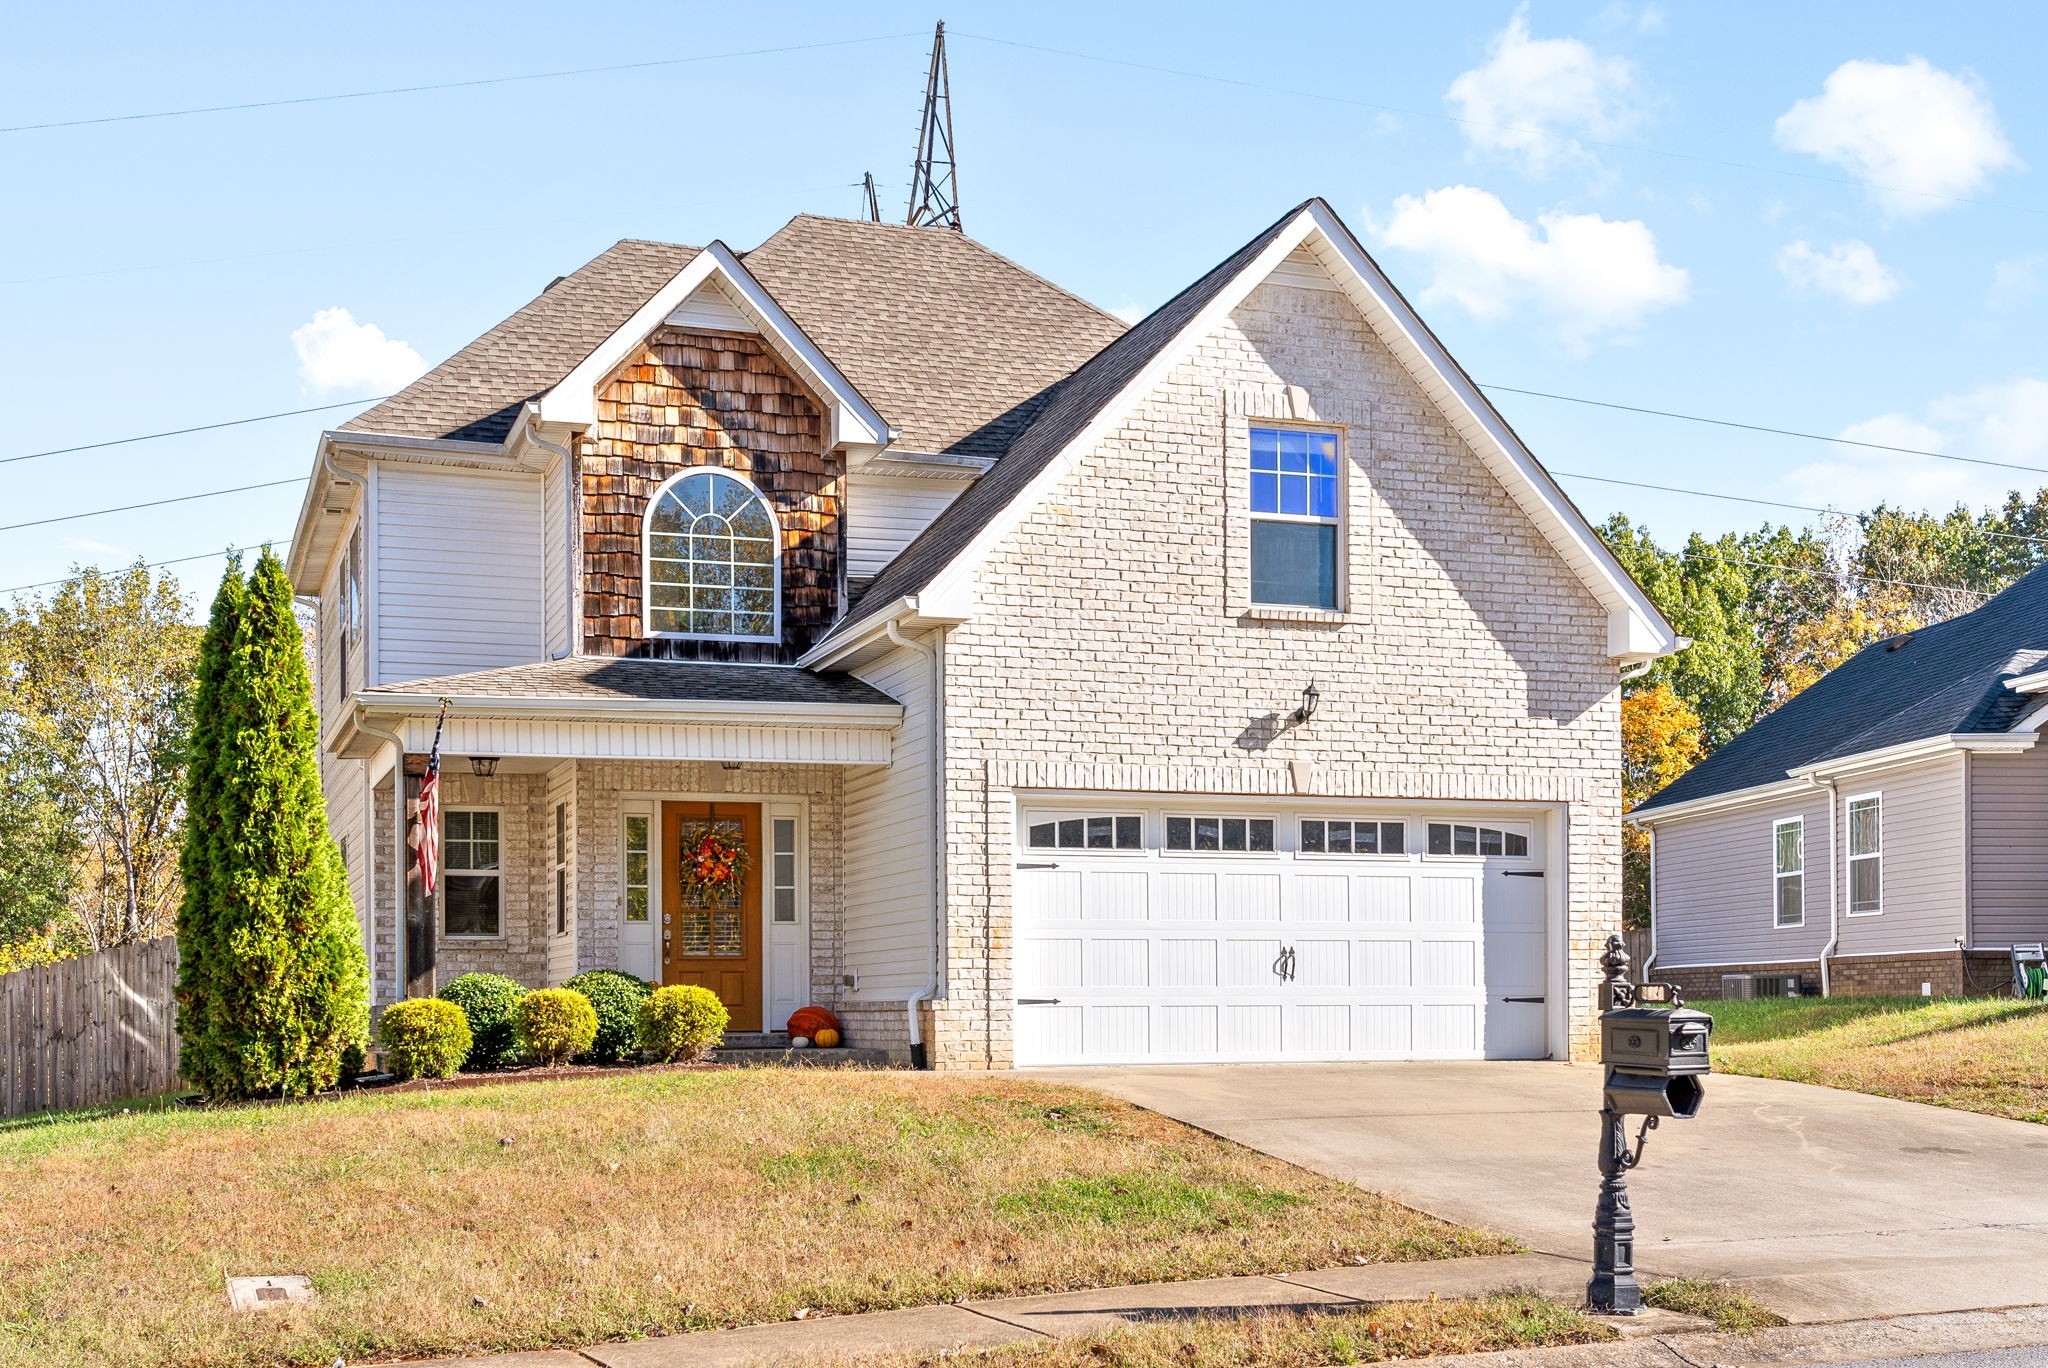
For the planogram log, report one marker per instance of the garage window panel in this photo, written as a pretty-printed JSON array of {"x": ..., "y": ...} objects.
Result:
[
  {"x": 1461, "y": 838},
  {"x": 1331, "y": 836},
  {"x": 1219, "y": 835},
  {"x": 1094, "y": 831}
]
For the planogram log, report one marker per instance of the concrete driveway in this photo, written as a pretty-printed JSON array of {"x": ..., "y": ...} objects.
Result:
[{"x": 1825, "y": 1205}]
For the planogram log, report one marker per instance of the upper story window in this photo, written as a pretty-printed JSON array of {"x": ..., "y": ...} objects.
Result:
[
  {"x": 1866, "y": 855},
  {"x": 1294, "y": 502},
  {"x": 712, "y": 568}
]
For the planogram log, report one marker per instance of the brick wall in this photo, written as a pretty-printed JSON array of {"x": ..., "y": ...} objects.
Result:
[
  {"x": 1951, "y": 973},
  {"x": 1113, "y": 650}
]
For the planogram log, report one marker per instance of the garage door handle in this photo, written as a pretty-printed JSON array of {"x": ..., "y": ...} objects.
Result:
[
  {"x": 1038, "y": 1002},
  {"x": 1044, "y": 864},
  {"x": 1523, "y": 873},
  {"x": 1521, "y": 999}
]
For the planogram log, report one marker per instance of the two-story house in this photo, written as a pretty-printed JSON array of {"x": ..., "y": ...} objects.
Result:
[{"x": 1232, "y": 686}]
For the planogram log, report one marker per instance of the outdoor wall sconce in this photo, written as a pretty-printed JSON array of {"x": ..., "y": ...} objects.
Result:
[
  {"x": 729, "y": 766},
  {"x": 483, "y": 766},
  {"x": 1309, "y": 698}
]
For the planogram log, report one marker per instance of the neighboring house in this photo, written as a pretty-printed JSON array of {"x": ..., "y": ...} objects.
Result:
[
  {"x": 987, "y": 624},
  {"x": 1885, "y": 831}
]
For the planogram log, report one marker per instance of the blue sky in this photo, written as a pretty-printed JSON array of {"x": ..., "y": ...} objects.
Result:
[{"x": 1817, "y": 217}]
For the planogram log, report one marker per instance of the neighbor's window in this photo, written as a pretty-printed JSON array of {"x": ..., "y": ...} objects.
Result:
[
  {"x": 1294, "y": 517},
  {"x": 711, "y": 559},
  {"x": 783, "y": 883},
  {"x": 1120, "y": 832},
  {"x": 472, "y": 881},
  {"x": 1788, "y": 862},
  {"x": 637, "y": 866},
  {"x": 1322, "y": 837},
  {"x": 1203, "y": 834},
  {"x": 1456, "y": 838},
  {"x": 1866, "y": 855}
]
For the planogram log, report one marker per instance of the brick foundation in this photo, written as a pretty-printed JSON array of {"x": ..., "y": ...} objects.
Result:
[{"x": 1946, "y": 973}]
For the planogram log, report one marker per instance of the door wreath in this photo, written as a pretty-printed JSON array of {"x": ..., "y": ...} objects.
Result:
[{"x": 712, "y": 866}]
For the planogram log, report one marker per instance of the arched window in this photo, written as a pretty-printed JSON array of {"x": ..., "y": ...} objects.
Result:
[{"x": 712, "y": 568}]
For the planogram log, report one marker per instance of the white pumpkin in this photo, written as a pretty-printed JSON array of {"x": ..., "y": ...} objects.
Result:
[{"x": 800, "y": 1043}]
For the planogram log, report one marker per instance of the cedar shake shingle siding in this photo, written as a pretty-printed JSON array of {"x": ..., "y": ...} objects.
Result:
[{"x": 690, "y": 399}]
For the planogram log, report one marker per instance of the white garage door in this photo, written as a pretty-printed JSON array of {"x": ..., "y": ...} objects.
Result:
[{"x": 1169, "y": 935}]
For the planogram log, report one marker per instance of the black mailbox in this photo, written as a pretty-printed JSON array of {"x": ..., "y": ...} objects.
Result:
[{"x": 1655, "y": 1058}]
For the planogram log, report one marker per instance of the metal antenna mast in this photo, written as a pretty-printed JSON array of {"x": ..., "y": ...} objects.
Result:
[
  {"x": 934, "y": 186},
  {"x": 869, "y": 205}
]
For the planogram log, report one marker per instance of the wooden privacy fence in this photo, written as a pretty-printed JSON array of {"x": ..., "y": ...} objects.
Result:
[
  {"x": 89, "y": 1030},
  {"x": 1637, "y": 943}
]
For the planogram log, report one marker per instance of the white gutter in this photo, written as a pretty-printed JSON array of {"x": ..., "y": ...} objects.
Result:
[
  {"x": 935, "y": 784},
  {"x": 630, "y": 709},
  {"x": 570, "y": 507},
  {"x": 397, "y": 745},
  {"x": 1834, "y": 892}
]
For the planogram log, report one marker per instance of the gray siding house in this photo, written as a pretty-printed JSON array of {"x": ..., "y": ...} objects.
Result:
[{"x": 1886, "y": 831}]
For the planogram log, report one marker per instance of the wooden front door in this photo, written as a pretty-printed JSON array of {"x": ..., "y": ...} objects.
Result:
[{"x": 713, "y": 942}]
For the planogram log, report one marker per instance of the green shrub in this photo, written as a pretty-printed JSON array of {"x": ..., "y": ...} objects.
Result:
[
  {"x": 682, "y": 1022},
  {"x": 424, "y": 1037},
  {"x": 616, "y": 997},
  {"x": 556, "y": 1024},
  {"x": 489, "y": 1001},
  {"x": 354, "y": 1060}
]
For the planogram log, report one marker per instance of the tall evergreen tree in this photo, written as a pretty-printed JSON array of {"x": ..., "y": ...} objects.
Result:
[{"x": 273, "y": 985}]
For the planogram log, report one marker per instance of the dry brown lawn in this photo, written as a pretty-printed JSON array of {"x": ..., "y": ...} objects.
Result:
[
  {"x": 1976, "y": 1054},
  {"x": 518, "y": 1217},
  {"x": 1377, "y": 1334}
]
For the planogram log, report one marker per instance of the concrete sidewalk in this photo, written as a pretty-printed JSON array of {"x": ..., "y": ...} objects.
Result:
[{"x": 1022, "y": 1320}]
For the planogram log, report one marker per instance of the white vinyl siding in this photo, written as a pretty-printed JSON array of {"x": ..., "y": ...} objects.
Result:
[
  {"x": 888, "y": 842},
  {"x": 457, "y": 571},
  {"x": 885, "y": 512},
  {"x": 556, "y": 588}
]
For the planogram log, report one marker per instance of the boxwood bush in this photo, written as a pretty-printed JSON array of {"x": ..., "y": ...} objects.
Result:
[
  {"x": 424, "y": 1037},
  {"x": 682, "y": 1022},
  {"x": 556, "y": 1024},
  {"x": 488, "y": 1001},
  {"x": 616, "y": 997}
]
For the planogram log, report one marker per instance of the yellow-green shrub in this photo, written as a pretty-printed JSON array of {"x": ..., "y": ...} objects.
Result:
[
  {"x": 424, "y": 1037},
  {"x": 682, "y": 1021},
  {"x": 556, "y": 1023}
]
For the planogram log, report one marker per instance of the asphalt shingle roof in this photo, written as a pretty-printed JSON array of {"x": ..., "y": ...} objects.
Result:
[
  {"x": 1942, "y": 680},
  {"x": 602, "y": 677}
]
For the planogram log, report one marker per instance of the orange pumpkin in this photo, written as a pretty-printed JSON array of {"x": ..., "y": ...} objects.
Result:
[
  {"x": 826, "y": 1038},
  {"x": 808, "y": 1021}
]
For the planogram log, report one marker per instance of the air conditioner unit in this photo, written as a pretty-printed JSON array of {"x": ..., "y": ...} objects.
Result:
[
  {"x": 1738, "y": 985},
  {"x": 1775, "y": 985}
]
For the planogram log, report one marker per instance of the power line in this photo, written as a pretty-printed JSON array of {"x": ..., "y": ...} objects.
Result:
[
  {"x": 158, "y": 565},
  {"x": 449, "y": 85},
  {"x": 1487, "y": 123},
  {"x": 180, "y": 432},
  {"x": 153, "y": 503}
]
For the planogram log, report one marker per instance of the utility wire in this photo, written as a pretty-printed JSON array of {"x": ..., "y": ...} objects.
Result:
[
  {"x": 180, "y": 432},
  {"x": 153, "y": 503},
  {"x": 158, "y": 565},
  {"x": 450, "y": 85},
  {"x": 1490, "y": 124}
]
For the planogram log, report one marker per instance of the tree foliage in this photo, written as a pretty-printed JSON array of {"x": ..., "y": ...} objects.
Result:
[
  {"x": 1660, "y": 740},
  {"x": 272, "y": 984}
]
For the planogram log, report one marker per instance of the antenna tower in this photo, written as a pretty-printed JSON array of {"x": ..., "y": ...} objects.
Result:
[
  {"x": 870, "y": 207},
  {"x": 934, "y": 185}
]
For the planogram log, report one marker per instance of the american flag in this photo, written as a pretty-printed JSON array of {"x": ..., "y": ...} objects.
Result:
[{"x": 427, "y": 835}]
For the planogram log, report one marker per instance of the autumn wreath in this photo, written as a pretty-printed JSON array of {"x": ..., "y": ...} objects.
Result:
[{"x": 713, "y": 865}]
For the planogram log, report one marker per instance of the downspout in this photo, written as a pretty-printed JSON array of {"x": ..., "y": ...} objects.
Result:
[
  {"x": 1834, "y": 892},
  {"x": 398, "y": 928},
  {"x": 569, "y": 512},
  {"x": 1650, "y": 831},
  {"x": 918, "y": 1058}
]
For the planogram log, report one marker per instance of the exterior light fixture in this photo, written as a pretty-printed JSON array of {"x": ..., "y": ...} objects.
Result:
[
  {"x": 483, "y": 766},
  {"x": 1309, "y": 698},
  {"x": 729, "y": 765}
]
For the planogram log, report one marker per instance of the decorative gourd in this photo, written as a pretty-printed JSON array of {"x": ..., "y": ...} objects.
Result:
[
  {"x": 799, "y": 1042},
  {"x": 826, "y": 1038}
]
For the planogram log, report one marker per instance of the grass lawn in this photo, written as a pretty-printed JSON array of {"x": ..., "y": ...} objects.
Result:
[
  {"x": 1977, "y": 1054},
  {"x": 518, "y": 1217},
  {"x": 1377, "y": 1334}
]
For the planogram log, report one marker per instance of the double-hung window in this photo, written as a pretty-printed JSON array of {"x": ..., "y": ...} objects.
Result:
[
  {"x": 1294, "y": 503},
  {"x": 1788, "y": 871},
  {"x": 1866, "y": 855},
  {"x": 471, "y": 884}
]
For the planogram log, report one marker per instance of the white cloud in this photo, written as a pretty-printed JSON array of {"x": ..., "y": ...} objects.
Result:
[
  {"x": 1591, "y": 277},
  {"x": 1850, "y": 271},
  {"x": 1914, "y": 134},
  {"x": 2016, "y": 280},
  {"x": 337, "y": 353},
  {"x": 2002, "y": 422},
  {"x": 1534, "y": 98}
]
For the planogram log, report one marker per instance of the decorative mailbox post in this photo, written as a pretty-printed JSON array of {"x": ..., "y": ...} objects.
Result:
[{"x": 1654, "y": 1050}]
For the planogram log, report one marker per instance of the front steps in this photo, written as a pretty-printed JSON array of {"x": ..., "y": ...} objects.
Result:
[{"x": 766, "y": 1049}]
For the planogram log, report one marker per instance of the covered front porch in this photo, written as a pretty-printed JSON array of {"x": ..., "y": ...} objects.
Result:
[{"x": 564, "y": 823}]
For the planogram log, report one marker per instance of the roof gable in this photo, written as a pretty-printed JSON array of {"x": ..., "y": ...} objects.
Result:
[
  {"x": 1088, "y": 403},
  {"x": 1946, "y": 680}
]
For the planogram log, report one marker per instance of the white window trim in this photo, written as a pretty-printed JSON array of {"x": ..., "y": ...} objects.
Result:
[
  {"x": 653, "y": 821},
  {"x": 1779, "y": 876},
  {"x": 1850, "y": 858},
  {"x": 647, "y": 560},
  {"x": 1221, "y": 814},
  {"x": 1039, "y": 817},
  {"x": 1527, "y": 831},
  {"x": 1339, "y": 572},
  {"x": 441, "y": 911},
  {"x": 563, "y": 835},
  {"x": 1409, "y": 831}
]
